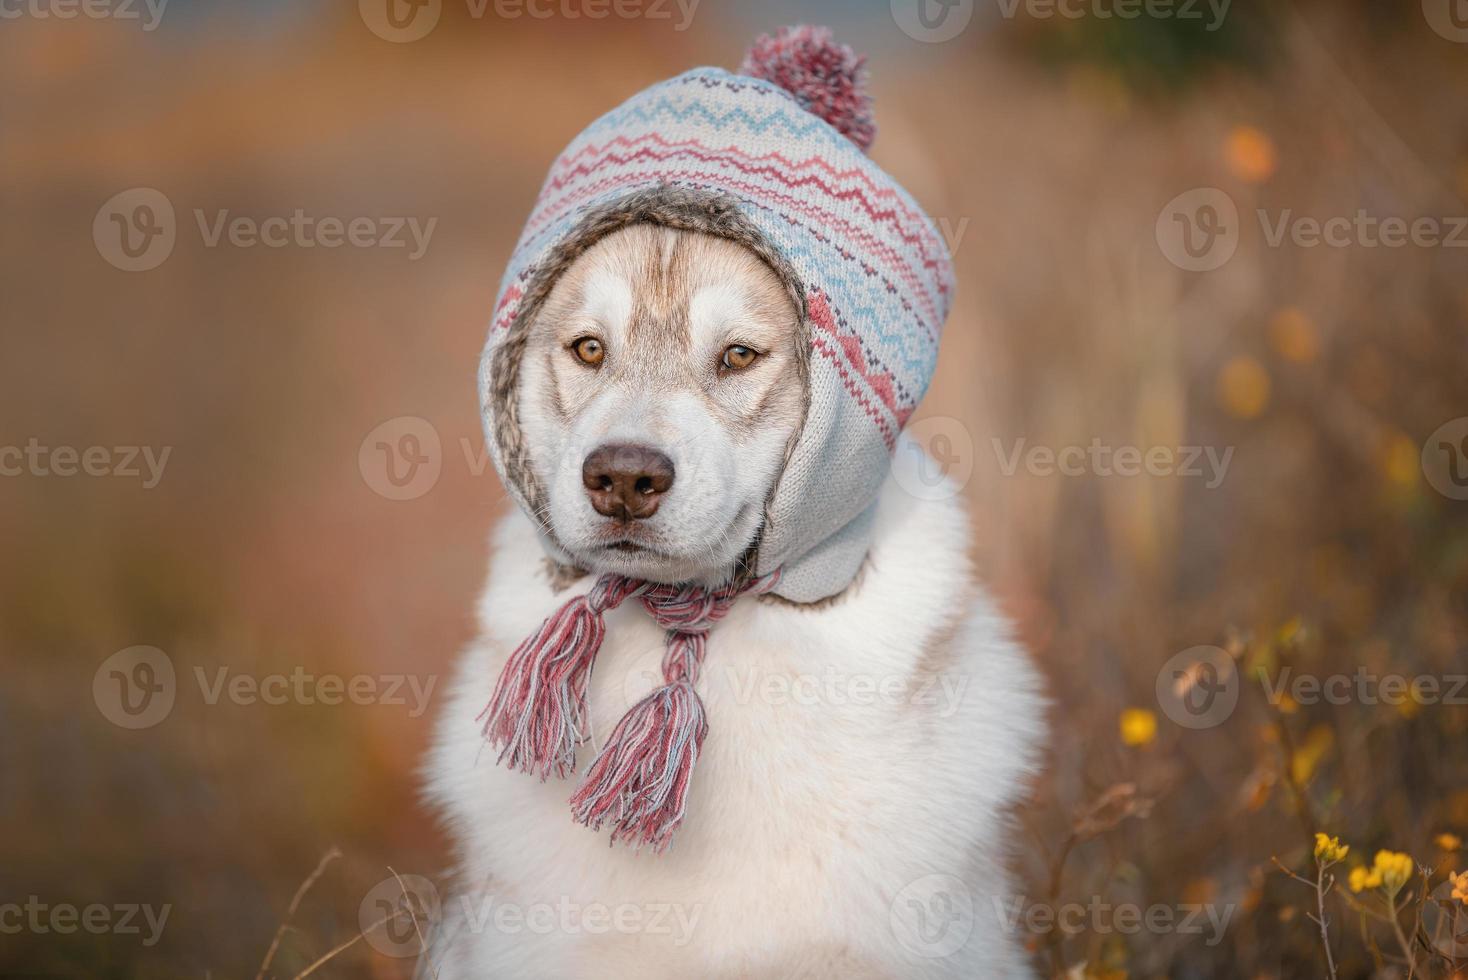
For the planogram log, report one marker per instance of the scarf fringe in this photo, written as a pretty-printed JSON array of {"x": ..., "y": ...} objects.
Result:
[
  {"x": 537, "y": 715},
  {"x": 639, "y": 782}
]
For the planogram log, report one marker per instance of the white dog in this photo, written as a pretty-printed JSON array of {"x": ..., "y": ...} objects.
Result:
[{"x": 849, "y": 816}]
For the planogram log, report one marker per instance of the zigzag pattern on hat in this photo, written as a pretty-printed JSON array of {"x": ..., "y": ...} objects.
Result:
[{"x": 850, "y": 232}]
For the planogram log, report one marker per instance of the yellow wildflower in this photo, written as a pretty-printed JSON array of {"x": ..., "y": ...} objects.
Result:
[
  {"x": 1401, "y": 461},
  {"x": 1138, "y": 726},
  {"x": 1394, "y": 868},
  {"x": 1411, "y": 705},
  {"x": 1448, "y": 842},
  {"x": 1329, "y": 850},
  {"x": 1243, "y": 387},
  {"x": 1250, "y": 154},
  {"x": 1307, "y": 757},
  {"x": 1460, "y": 886},
  {"x": 1361, "y": 879},
  {"x": 1294, "y": 336}
]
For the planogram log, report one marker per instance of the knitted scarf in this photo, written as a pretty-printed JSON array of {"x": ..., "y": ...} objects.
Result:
[{"x": 537, "y": 716}]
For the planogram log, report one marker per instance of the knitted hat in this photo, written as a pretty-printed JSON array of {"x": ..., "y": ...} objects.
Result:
[{"x": 772, "y": 158}]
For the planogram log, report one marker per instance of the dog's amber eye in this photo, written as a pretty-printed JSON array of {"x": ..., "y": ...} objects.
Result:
[
  {"x": 589, "y": 350},
  {"x": 737, "y": 357}
]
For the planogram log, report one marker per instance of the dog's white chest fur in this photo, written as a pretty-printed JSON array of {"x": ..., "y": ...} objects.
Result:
[{"x": 856, "y": 749}]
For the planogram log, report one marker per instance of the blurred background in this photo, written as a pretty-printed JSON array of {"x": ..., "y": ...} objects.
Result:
[{"x": 193, "y": 423}]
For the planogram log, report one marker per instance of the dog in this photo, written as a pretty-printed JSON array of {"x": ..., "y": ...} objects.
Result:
[{"x": 851, "y": 811}]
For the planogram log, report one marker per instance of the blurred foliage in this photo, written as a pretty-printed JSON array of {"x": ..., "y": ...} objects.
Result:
[
  {"x": 1324, "y": 550},
  {"x": 1165, "y": 58},
  {"x": 1161, "y": 57}
]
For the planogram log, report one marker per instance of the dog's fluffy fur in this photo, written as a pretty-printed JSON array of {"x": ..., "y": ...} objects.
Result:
[{"x": 857, "y": 747}]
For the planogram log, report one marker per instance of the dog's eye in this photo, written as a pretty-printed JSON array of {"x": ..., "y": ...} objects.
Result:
[
  {"x": 737, "y": 357},
  {"x": 589, "y": 351}
]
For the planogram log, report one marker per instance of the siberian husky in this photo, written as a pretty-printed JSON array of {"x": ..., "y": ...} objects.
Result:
[{"x": 850, "y": 813}]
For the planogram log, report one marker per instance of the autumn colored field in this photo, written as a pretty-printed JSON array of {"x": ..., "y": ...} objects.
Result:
[{"x": 1221, "y": 495}]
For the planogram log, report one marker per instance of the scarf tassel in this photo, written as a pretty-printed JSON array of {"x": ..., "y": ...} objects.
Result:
[
  {"x": 639, "y": 782},
  {"x": 537, "y": 715}
]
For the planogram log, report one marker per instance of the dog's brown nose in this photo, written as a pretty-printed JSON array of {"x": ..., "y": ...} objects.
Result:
[{"x": 626, "y": 482}]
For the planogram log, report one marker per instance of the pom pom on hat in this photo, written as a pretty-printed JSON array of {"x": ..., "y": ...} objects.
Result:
[{"x": 828, "y": 79}]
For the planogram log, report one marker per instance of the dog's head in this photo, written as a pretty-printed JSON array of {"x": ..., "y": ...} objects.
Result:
[{"x": 659, "y": 392}]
